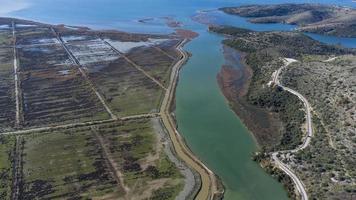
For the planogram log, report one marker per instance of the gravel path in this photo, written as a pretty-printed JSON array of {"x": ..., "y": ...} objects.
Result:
[{"x": 189, "y": 177}]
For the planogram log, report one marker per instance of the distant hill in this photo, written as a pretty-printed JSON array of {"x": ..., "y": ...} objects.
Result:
[{"x": 315, "y": 18}]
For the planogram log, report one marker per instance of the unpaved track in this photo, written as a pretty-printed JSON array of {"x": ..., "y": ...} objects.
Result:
[
  {"x": 17, "y": 167},
  {"x": 284, "y": 167},
  {"x": 17, "y": 85},
  {"x": 79, "y": 124},
  {"x": 111, "y": 163},
  {"x": 148, "y": 115},
  {"x": 165, "y": 53},
  {"x": 208, "y": 187},
  {"x": 208, "y": 179},
  {"x": 139, "y": 68},
  {"x": 84, "y": 74}
]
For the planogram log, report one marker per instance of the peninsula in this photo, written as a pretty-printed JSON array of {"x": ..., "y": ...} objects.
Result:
[
  {"x": 314, "y": 18},
  {"x": 296, "y": 95}
]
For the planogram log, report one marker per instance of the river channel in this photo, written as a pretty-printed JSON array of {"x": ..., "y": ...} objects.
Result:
[{"x": 212, "y": 131}]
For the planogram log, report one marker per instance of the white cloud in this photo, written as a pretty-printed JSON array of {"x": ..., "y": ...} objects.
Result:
[{"x": 8, "y": 6}]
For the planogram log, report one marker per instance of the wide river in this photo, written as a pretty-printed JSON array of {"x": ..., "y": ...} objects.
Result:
[{"x": 204, "y": 118}]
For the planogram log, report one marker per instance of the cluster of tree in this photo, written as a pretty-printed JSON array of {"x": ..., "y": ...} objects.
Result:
[
  {"x": 288, "y": 44},
  {"x": 163, "y": 193}
]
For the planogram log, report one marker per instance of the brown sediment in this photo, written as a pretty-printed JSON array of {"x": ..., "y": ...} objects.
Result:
[
  {"x": 171, "y": 22},
  {"x": 234, "y": 82},
  {"x": 186, "y": 33},
  {"x": 203, "y": 18}
]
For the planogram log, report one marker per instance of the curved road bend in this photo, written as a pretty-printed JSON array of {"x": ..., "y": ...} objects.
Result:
[
  {"x": 284, "y": 167},
  {"x": 208, "y": 180}
]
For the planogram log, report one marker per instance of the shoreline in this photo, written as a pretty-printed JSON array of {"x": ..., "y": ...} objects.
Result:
[
  {"x": 238, "y": 105},
  {"x": 209, "y": 183},
  {"x": 253, "y": 118},
  {"x": 207, "y": 189}
]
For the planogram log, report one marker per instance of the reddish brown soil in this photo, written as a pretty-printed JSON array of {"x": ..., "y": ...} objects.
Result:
[
  {"x": 234, "y": 83},
  {"x": 186, "y": 33}
]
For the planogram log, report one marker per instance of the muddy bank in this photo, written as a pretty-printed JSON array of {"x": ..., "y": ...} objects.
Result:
[
  {"x": 184, "y": 33},
  {"x": 234, "y": 80}
]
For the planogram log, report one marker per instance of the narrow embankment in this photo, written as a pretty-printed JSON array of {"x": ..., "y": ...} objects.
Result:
[
  {"x": 208, "y": 180},
  {"x": 17, "y": 80}
]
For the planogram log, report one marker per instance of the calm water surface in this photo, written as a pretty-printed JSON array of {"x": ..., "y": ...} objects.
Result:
[{"x": 211, "y": 129}]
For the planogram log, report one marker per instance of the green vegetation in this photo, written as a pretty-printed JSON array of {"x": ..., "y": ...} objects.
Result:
[
  {"x": 72, "y": 162},
  {"x": 140, "y": 157},
  {"x": 166, "y": 193},
  {"x": 289, "y": 108},
  {"x": 53, "y": 91},
  {"x": 154, "y": 62},
  {"x": 326, "y": 166},
  {"x": 264, "y": 50},
  {"x": 316, "y": 18},
  {"x": 230, "y": 30},
  {"x": 65, "y": 164},
  {"x": 7, "y": 89},
  {"x": 127, "y": 90},
  {"x": 321, "y": 158},
  {"x": 163, "y": 168},
  {"x": 264, "y": 159},
  {"x": 5, "y": 37},
  {"x": 286, "y": 44},
  {"x": 101, "y": 159},
  {"x": 7, "y": 146},
  {"x": 329, "y": 89}
]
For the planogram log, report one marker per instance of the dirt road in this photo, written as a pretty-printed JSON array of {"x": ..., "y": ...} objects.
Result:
[
  {"x": 17, "y": 85},
  {"x": 306, "y": 141},
  {"x": 84, "y": 74},
  {"x": 209, "y": 182}
]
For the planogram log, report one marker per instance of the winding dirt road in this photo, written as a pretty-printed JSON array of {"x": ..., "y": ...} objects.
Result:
[{"x": 306, "y": 141}]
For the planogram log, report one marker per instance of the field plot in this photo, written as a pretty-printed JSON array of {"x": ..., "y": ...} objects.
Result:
[
  {"x": 153, "y": 61},
  {"x": 53, "y": 89},
  {"x": 65, "y": 165},
  {"x": 45, "y": 57},
  {"x": 34, "y": 35},
  {"x": 7, "y": 145},
  {"x": 170, "y": 47},
  {"x": 79, "y": 163},
  {"x": 127, "y": 90},
  {"x": 90, "y": 53},
  {"x": 115, "y": 159},
  {"x": 7, "y": 92},
  {"x": 138, "y": 152},
  {"x": 5, "y": 35}
]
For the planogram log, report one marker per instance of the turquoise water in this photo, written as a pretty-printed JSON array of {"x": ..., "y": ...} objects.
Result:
[
  {"x": 346, "y": 42},
  {"x": 211, "y": 129}
]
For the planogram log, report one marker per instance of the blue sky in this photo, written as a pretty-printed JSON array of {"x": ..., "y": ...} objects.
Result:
[{"x": 8, "y": 6}]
